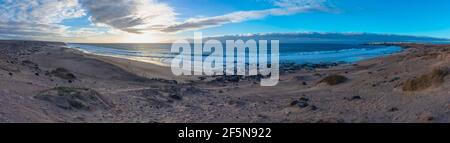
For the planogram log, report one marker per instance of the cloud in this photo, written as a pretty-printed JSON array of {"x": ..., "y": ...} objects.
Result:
[
  {"x": 32, "y": 19},
  {"x": 327, "y": 37},
  {"x": 43, "y": 19},
  {"x": 140, "y": 16},
  {"x": 29, "y": 31},
  {"x": 42, "y": 11},
  {"x": 299, "y": 3},
  {"x": 283, "y": 7},
  {"x": 235, "y": 17},
  {"x": 129, "y": 15},
  {"x": 48, "y": 32}
]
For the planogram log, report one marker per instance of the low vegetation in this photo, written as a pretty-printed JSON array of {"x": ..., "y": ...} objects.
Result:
[
  {"x": 70, "y": 98},
  {"x": 334, "y": 79},
  {"x": 63, "y": 73},
  {"x": 435, "y": 78}
]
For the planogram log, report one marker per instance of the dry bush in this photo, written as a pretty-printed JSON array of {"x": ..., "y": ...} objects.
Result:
[
  {"x": 71, "y": 98},
  {"x": 63, "y": 73},
  {"x": 334, "y": 79},
  {"x": 435, "y": 78}
]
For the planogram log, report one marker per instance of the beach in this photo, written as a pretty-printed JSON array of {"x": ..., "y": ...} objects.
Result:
[{"x": 47, "y": 82}]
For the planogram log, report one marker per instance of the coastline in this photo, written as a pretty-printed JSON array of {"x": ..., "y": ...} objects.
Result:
[
  {"x": 143, "y": 69},
  {"x": 132, "y": 91},
  {"x": 154, "y": 70}
]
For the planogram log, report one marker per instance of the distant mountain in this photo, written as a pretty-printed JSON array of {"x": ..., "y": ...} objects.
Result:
[{"x": 317, "y": 37}]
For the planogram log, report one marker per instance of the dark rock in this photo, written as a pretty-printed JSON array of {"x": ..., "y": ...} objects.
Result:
[
  {"x": 289, "y": 67},
  {"x": 356, "y": 98},
  {"x": 293, "y": 103},
  {"x": 166, "y": 81},
  {"x": 172, "y": 89},
  {"x": 233, "y": 78},
  {"x": 228, "y": 78},
  {"x": 155, "y": 98},
  {"x": 191, "y": 90},
  {"x": 176, "y": 97},
  {"x": 255, "y": 77},
  {"x": 300, "y": 103},
  {"x": 29, "y": 63},
  {"x": 237, "y": 103},
  {"x": 426, "y": 117},
  {"x": 331, "y": 120},
  {"x": 394, "y": 79},
  {"x": 318, "y": 74},
  {"x": 302, "y": 78},
  {"x": 304, "y": 99},
  {"x": 353, "y": 98},
  {"x": 394, "y": 109},
  {"x": 150, "y": 92},
  {"x": 47, "y": 73},
  {"x": 263, "y": 116},
  {"x": 314, "y": 108}
]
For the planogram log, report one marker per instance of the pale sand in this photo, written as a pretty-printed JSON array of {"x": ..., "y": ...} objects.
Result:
[
  {"x": 139, "y": 68},
  {"x": 131, "y": 91}
]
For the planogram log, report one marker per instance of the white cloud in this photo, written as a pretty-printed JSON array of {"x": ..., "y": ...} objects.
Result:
[
  {"x": 139, "y": 16},
  {"x": 40, "y": 11},
  {"x": 299, "y": 3},
  {"x": 29, "y": 31},
  {"x": 37, "y": 19},
  {"x": 283, "y": 7},
  {"x": 130, "y": 15},
  {"x": 42, "y": 19},
  {"x": 235, "y": 17}
]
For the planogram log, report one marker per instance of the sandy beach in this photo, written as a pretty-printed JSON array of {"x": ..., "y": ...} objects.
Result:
[{"x": 45, "y": 82}]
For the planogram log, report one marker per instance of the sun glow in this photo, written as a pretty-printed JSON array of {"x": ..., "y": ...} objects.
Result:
[
  {"x": 146, "y": 38},
  {"x": 138, "y": 38}
]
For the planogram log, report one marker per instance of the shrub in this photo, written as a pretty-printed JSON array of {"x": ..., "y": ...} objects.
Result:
[
  {"x": 70, "y": 98},
  {"x": 436, "y": 77},
  {"x": 63, "y": 73},
  {"x": 334, "y": 79}
]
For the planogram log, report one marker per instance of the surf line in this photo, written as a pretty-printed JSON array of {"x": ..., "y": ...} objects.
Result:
[
  {"x": 228, "y": 60},
  {"x": 190, "y": 133}
]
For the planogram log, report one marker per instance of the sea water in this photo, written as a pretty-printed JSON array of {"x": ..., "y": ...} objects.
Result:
[{"x": 300, "y": 53}]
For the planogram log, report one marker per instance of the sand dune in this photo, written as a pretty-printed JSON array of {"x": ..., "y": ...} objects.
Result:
[{"x": 45, "y": 82}]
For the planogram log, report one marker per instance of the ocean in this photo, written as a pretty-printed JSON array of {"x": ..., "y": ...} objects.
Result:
[{"x": 300, "y": 53}]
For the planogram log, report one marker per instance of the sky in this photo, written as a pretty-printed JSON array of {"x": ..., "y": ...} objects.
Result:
[{"x": 147, "y": 21}]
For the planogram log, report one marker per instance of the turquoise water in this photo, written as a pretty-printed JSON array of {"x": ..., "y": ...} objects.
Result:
[{"x": 294, "y": 53}]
